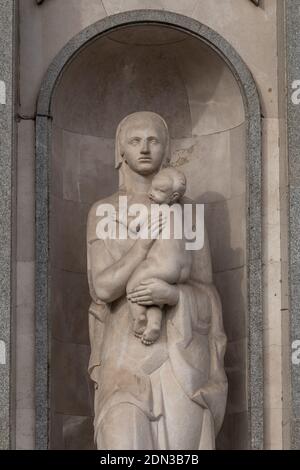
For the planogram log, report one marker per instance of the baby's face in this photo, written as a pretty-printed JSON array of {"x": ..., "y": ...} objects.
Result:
[{"x": 161, "y": 191}]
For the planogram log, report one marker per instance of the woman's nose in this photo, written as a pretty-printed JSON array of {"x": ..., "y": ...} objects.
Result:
[{"x": 145, "y": 147}]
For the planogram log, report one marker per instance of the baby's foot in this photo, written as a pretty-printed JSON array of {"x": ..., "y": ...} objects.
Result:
[
  {"x": 151, "y": 334},
  {"x": 139, "y": 326}
]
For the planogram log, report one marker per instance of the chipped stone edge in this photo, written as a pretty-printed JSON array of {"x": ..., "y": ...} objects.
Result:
[{"x": 254, "y": 203}]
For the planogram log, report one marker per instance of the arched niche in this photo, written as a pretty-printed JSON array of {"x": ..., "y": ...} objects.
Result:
[{"x": 174, "y": 66}]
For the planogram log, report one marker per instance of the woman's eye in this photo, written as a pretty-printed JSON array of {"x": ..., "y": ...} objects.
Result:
[
  {"x": 154, "y": 141},
  {"x": 135, "y": 141}
]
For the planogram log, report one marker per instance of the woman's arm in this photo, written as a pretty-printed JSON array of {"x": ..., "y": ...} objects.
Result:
[{"x": 110, "y": 282}]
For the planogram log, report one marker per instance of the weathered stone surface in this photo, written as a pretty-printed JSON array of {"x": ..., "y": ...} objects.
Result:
[
  {"x": 7, "y": 133},
  {"x": 293, "y": 71}
]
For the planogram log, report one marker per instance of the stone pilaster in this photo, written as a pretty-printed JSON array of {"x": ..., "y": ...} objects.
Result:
[
  {"x": 293, "y": 82},
  {"x": 7, "y": 80}
]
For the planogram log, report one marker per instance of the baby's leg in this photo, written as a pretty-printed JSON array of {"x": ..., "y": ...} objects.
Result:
[
  {"x": 152, "y": 332},
  {"x": 138, "y": 313}
]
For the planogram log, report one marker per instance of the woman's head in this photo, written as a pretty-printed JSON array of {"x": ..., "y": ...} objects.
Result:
[{"x": 142, "y": 143}]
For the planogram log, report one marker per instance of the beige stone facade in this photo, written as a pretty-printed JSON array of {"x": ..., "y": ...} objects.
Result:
[{"x": 256, "y": 34}]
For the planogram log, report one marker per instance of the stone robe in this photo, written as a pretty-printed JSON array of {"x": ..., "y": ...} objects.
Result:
[{"x": 172, "y": 394}]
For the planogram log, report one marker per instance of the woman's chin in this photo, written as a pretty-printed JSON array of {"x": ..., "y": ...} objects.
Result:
[{"x": 146, "y": 170}]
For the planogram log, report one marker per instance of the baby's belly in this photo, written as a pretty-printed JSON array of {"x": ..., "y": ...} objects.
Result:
[
  {"x": 170, "y": 266},
  {"x": 150, "y": 268}
]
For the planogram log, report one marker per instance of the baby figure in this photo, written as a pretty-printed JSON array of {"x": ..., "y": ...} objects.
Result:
[{"x": 167, "y": 259}]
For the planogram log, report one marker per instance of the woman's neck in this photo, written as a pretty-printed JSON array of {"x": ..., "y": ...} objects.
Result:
[{"x": 135, "y": 182}]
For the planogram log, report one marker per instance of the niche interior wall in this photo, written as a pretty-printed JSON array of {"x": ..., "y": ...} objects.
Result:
[{"x": 167, "y": 63}]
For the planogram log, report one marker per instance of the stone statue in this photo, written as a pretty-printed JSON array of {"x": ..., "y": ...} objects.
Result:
[{"x": 156, "y": 332}]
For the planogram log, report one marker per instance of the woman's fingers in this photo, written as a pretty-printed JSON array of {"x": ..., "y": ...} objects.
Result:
[
  {"x": 146, "y": 282},
  {"x": 138, "y": 290},
  {"x": 157, "y": 218},
  {"x": 138, "y": 297},
  {"x": 158, "y": 222},
  {"x": 156, "y": 228},
  {"x": 145, "y": 302},
  {"x": 142, "y": 298},
  {"x": 140, "y": 294},
  {"x": 152, "y": 231}
]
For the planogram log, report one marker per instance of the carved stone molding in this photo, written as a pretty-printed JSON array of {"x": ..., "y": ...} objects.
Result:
[{"x": 256, "y": 2}]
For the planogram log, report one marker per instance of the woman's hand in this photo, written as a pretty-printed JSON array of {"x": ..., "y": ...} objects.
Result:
[
  {"x": 150, "y": 231},
  {"x": 154, "y": 292}
]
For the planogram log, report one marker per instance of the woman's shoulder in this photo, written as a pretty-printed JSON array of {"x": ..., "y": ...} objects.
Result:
[{"x": 93, "y": 217}]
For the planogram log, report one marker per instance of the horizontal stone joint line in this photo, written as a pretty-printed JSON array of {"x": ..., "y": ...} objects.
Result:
[{"x": 44, "y": 116}]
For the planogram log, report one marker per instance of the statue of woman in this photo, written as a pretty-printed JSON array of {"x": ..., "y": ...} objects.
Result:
[{"x": 172, "y": 394}]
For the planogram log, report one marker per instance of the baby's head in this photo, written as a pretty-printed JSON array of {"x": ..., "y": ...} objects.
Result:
[{"x": 168, "y": 186}]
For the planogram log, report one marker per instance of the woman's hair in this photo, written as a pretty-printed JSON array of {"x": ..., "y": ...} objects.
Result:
[{"x": 132, "y": 119}]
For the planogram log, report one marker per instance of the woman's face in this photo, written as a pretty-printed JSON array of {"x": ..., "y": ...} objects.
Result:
[{"x": 144, "y": 147}]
